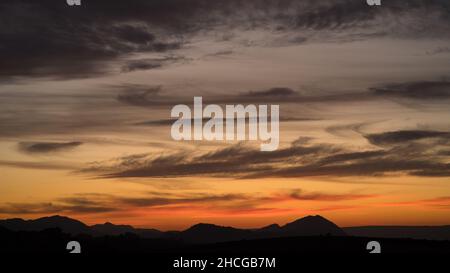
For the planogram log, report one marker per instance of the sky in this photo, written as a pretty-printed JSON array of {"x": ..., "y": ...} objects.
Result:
[{"x": 86, "y": 94}]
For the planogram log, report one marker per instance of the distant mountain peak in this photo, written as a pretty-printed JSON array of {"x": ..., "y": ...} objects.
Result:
[
  {"x": 270, "y": 228},
  {"x": 57, "y": 218},
  {"x": 312, "y": 225},
  {"x": 205, "y": 226}
]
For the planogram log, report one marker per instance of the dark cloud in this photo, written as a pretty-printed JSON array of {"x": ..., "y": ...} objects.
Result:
[
  {"x": 146, "y": 96},
  {"x": 440, "y": 50},
  {"x": 403, "y": 152},
  {"x": 273, "y": 92},
  {"x": 140, "y": 95},
  {"x": 346, "y": 157},
  {"x": 442, "y": 170},
  {"x": 48, "y": 38},
  {"x": 151, "y": 96},
  {"x": 167, "y": 122},
  {"x": 376, "y": 167},
  {"x": 220, "y": 53},
  {"x": 401, "y": 137},
  {"x": 47, "y": 147},
  {"x": 416, "y": 90},
  {"x": 319, "y": 196},
  {"x": 148, "y": 64}
]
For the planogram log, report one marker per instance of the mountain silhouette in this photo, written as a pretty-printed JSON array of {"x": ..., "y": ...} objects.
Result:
[
  {"x": 307, "y": 226},
  {"x": 274, "y": 228},
  {"x": 209, "y": 233},
  {"x": 111, "y": 229},
  {"x": 311, "y": 226},
  {"x": 65, "y": 224},
  {"x": 199, "y": 233},
  {"x": 308, "y": 235}
]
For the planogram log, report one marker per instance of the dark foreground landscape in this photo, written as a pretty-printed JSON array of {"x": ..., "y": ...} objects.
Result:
[
  {"x": 312, "y": 234},
  {"x": 276, "y": 248}
]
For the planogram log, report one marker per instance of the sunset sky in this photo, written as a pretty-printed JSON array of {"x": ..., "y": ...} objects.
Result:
[{"x": 364, "y": 94}]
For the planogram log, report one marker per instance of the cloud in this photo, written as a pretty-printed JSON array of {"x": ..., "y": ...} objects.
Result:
[
  {"x": 37, "y": 165},
  {"x": 318, "y": 196},
  {"x": 180, "y": 199},
  {"x": 148, "y": 64},
  {"x": 353, "y": 156},
  {"x": 376, "y": 167},
  {"x": 401, "y": 137},
  {"x": 151, "y": 96},
  {"x": 273, "y": 92},
  {"x": 415, "y": 90},
  {"x": 402, "y": 152},
  {"x": 145, "y": 96},
  {"x": 220, "y": 53},
  {"x": 140, "y": 95},
  {"x": 95, "y": 38},
  {"x": 42, "y": 34},
  {"x": 47, "y": 147},
  {"x": 58, "y": 207},
  {"x": 442, "y": 202},
  {"x": 439, "y": 50},
  {"x": 167, "y": 122},
  {"x": 89, "y": 203}
]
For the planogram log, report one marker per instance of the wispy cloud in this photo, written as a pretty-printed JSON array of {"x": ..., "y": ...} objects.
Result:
[
  {"x": 148, "y": 64},
  {"x": 228, "y": 202},
  {"x": 415, "y": 90},
  {"x": 406, "y": 153},
  {"x": 38, "y": 165},
  {"x": 442, "y": 202},
  {"x": 47, "y": 147}
]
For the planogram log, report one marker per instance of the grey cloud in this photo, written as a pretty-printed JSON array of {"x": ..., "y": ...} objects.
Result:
[
  {"x": 440, "y": 50},
  {"x": 442, "y": 171},
  {"x": 416, "y": 90},
  {"x": 220, "y": 53},
  {"x": 367, "y": 168},
  {"x": 150, "y": 96},
  {"x": 166, "y": 122},
  {"x": 140, "y": 95},
  {"x": 47, "y": 147},
  {"x": 148, "y": 64},
  {"x": 146, "y": 96},
  {"x": 90, "y": 39},
  {"x": 346, "y": 157},
  {"x": 273, "y": 92},
  {"x": 400, "y": 153},
  {"x": 400, "y": 137}
]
